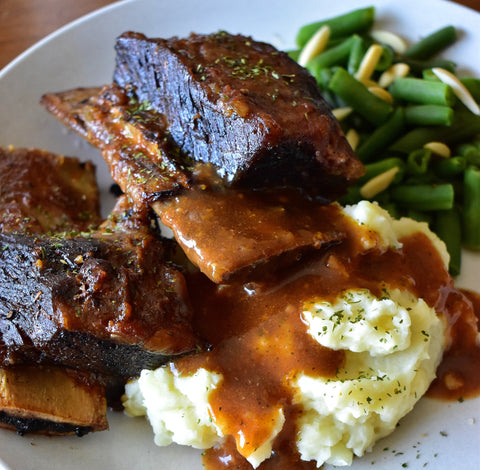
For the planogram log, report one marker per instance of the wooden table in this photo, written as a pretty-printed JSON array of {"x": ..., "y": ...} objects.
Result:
[{"x": 24, "y": 22}]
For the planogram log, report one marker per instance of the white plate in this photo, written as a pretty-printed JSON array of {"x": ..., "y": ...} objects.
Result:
[{"x": 435, "y": 435}]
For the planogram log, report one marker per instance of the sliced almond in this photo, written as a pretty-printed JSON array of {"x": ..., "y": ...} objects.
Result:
[
  {"x": 370, "y": 83},
  {"x": 342, "y": 113},
  {"x": 378, "y": 183},
  {"x": 439, "y": 148},
  {"x": 353, "y": 138},
  {"x": 398, "y": 70},
  {"x": 381, "y": 93},
  {"x": 369, "y": 62},
  {"x": 315, "y": 45},
  {"x": 397, "y": 43},
  {"x": 458, "y": 88}
]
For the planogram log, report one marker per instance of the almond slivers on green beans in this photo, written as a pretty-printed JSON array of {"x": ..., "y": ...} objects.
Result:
[{"x": 416, "y": 123}]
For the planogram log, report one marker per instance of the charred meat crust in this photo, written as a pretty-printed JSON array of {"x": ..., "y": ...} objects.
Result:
[
  {"x": 242, "y": 106},
  {"x": 140, "y": 154},
  {"x": 44, "y": 192},
  {"x": 51, "y": 400},
  {"x": 36, "y": 425},
  {"x": 88, "y": 303}
]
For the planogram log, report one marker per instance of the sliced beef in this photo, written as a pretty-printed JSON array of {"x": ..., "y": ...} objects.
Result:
[
  {"x": 230, "y": 234},
  {"x": 43, "y": 192},
  {"x": 226, "y": 232},
  {"x": 225, "y": 229},
  {"x": 110, "y": 303},
  {"x": 141, "y": 156},
  {"x": 241, "y": 105}
]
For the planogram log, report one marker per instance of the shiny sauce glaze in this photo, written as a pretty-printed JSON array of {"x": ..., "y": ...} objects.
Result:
[
  {"x": 228, "y": 234},
  {"x": 259, "y": 342},
  {"x": 458, "y": 376},
  {"x": 42, "y": 192}
]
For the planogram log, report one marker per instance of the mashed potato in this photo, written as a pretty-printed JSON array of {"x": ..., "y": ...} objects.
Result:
[
  {"x": 181, "y": 415},
  {"x": 392, "y": 345},
  {"x": 388, "y": 231}
]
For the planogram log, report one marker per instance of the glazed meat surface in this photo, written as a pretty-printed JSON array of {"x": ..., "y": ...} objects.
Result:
[
  {"x": 225, "y": 232},
  {"x": 241, "y": 105},
  {"x": 140, "y": 155},
  {"x": 232, "y": 234},
  {"x": 152, "y": 127},
  {"x": 43, "y": 192},
  {"x": 110, "y": 303}
]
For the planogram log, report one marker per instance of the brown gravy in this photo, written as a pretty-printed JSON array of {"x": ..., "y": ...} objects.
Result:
[
  {"x": 259, "y": 342},
  {"x": 228, "y": 234},
  {"x": 458, "y": 376}
]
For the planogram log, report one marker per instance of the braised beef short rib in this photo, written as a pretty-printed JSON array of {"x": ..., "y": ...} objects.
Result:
[
  {"x": 109, "y": 303},
  {"x": 43, "y": 192},
  {"x": 241, "y": 105}
]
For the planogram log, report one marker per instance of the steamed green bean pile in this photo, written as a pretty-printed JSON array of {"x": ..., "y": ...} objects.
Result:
[{"x": 413, "y": 123}]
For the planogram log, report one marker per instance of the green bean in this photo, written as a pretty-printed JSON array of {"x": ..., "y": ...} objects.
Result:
[
  {"x": 424, "y": 197},
  {"x": 324, "y": 76},
  {"x": 422, "y": 91},
  {"x": 471, "y": 208},
  {"x": 440, "y": 191},
  {"x": 471, "y": 153},
  {"x": 333, "y": 42},
  {"x": 356, "y": 21},
  {"x": 381, "y": 166},
  {"x": 419, "y": 216},
  {"x": 418, "y": 66},
  {"x": 416, "y": 138},
  {"x": 382, "y": 137},
  {"x": 447, "y": 226},
  {"x": 331, "y": 99},
  {"x": 352, "y": 196},
  {"x": 386, "y": 59},
  {"x": 428, "y": 74},
  {"x": 464, "y": 148},
  {"x": 356, "y": 94},
  {"x": 449, "y": 167},
  {"x": 429, "y": 115},
  {"x": 323, "y": 79},
  {"x": 473, "y": 86},
  {"x": 334, "y": 56},
  {"x": 432, "y": 44},
  {"x": 465, "y": 126},
  {"x": 294, "y": 54},
  {"x": 357, "y": 51},
  {"x": 473, "y": 157},
  {"x": 418, "y": 160}
]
